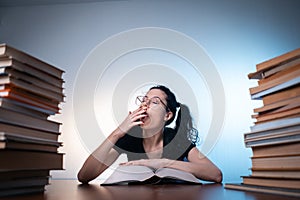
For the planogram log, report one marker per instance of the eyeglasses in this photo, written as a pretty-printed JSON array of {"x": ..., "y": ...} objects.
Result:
[{"x": 153, "y": 102}]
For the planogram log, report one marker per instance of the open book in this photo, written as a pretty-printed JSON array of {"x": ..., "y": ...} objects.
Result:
[{"x": 145, "y": 175}]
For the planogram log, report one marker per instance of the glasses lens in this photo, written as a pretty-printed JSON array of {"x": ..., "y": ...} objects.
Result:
[
  {"x": 139, "y": 100},
  {"x": 155, "y": 101}
]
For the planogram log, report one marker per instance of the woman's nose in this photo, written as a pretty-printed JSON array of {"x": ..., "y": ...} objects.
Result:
[{"x": 145, "y": 105}]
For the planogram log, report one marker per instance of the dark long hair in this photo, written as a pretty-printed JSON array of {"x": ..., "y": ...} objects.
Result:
[{"x": 184, "y": 122}]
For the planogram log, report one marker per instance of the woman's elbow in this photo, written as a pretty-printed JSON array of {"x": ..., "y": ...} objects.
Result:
[
  {"x": 218, "y": 177},
  {"x": 81, "y": 178}
]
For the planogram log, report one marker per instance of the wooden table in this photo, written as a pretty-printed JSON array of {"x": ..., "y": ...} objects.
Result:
[{"x": 73, "y": 190}]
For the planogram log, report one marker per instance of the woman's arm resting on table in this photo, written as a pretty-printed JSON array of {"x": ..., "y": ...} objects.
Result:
[
  {"x": 98, "y": 161},
  {"x": 105, "y": 155}
]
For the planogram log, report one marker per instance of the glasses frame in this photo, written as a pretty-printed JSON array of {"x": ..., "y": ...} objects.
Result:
[{"x": 140, "y": 99}]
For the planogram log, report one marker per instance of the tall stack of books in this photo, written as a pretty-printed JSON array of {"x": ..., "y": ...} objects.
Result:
[
  {"x": 30, "y": 91},
  {"x": 275, "y": 136}
]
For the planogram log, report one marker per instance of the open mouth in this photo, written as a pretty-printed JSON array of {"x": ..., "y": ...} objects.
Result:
[{"x": 144, "y": 118}]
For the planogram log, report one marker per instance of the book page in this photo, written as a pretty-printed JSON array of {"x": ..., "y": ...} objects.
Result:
[
  {"x": 125, "y": 174},
  {"x": 176, "y": 174}
]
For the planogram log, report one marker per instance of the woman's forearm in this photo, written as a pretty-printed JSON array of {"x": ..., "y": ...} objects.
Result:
[
  {"x": 203, "y": 170},
  {"x": 105, "y": 155},
  {"x": 99, "y": 160}
]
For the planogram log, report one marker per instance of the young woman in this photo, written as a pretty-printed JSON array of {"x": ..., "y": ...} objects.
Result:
[{"x": 146, "y": 140}]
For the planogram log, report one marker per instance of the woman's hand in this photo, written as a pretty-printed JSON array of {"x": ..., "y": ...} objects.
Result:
[
  {"x": 132, "y": 119},
  {"x": 153, "y": 163}
]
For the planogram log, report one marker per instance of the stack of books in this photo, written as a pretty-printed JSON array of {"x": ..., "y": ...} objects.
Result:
[
  {"x": 30, "y": 91},
  {"x": 275, "y": 136}
]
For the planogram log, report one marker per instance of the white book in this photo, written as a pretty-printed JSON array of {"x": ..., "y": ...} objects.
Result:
[{"x": 135, "y": 174}]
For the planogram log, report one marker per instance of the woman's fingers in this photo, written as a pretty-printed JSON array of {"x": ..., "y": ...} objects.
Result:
[
  {"x": 133, "y": 119},
  {"x": 138, "y": 111},
  {"x": 137, "y": 115}
]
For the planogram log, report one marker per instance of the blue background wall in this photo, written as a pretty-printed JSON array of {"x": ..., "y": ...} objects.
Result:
[{"x": 236, "y": 34}]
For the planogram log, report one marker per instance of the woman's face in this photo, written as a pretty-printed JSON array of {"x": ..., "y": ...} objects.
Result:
[{"x": 156, "y": 111}]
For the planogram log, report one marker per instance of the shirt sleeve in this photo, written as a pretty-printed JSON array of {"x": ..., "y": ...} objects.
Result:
[
  {"x": 123, "y": 144},
  {"x": 131, "y": 146},
  {"x": 176, "y": 147}
]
